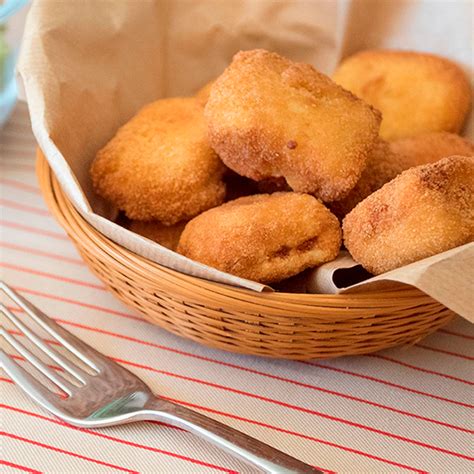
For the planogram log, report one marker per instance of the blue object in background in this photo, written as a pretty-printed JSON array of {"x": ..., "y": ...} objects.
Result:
[{"x": 8, "y": 55}]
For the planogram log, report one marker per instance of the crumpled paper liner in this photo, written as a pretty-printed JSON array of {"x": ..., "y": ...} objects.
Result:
[
  {"x": 86, "y": 67},
  {"x": 447, "y": 277}
]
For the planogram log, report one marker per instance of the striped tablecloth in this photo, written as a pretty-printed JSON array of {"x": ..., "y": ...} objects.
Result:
[{"x": 407, "y": 409}]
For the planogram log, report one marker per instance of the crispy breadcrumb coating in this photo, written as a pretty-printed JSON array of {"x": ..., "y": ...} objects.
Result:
[
  {"x": 424, "y": 211},
  {"x": 264, "y": 238},
  {"x": 271, "y": 117},
  {"x": 166, "y": 235},
  {"x": 203, "y": 93},
  {"x": 388, "y": 160},
  {"x": 382, "y": 166},
  {"x": 416, "y": 92},
  {"x": 430, "y": 147},
  {"x": 159, "y": 165}
]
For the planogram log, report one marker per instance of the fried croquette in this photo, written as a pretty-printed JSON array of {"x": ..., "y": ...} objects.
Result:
[
  {"x": 270, "y": 117},
  {"x": 165, "y": 235},
  {"x": 203, "y": 93},
  {"x": 388, "y": 160},
  {"x": 430, "y": 147},
  {"x": 382, "y": 166},
  {"x": 416, "y": 92},
  {"x": 159, "y": 165},
  {"x": 424, "y": 211},
  {"x": 265, "y": 238}
]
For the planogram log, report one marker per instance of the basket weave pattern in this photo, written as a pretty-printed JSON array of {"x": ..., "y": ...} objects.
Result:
[{"x": 282, "y": 325}]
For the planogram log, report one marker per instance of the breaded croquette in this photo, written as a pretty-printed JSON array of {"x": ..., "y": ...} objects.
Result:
[
  {"x": 166, "y": 235},
  {"x": 160, "y": 166},
  {"x": 430, "y": 147},
  {"x": 382, "y": 166},
  {"x": 271, "y": 117},
  {"x": 389, "y": 159},
  {"x": 424, "y": 211},
  {"x": 203, "y": 93},
  {"x": 265, "y": 238},
  {"x": 416, "y": 92}
]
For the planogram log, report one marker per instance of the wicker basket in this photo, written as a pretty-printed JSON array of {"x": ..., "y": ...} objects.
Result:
[{"x": 283, "y": 325}]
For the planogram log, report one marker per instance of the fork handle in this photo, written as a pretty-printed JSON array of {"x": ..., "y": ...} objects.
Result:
[{"x": 233, "y": 441}]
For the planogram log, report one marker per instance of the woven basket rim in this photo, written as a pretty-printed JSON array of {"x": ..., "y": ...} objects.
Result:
[
  {"x": 76, "y": 225},
  {"x": 271, "y": 324}
]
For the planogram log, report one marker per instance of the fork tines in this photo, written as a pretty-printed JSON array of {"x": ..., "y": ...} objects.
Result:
[{"x": 84, "y": 353}]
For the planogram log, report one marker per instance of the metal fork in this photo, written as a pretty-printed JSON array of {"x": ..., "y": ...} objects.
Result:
[{"x": 107, "y": 394}]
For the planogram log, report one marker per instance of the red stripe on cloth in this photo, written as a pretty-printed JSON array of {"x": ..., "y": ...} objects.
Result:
[
  {"x": 258, "y": 423},
  {"x": 63, "y": 451},
  {"x": 18, "y": 357},
  {"x": 292, "y": 407},
  {"x": 19, "y": 185},
  {"x": 14, "y": 140},
  {"x": 128, "y": 315},
  {"x": 60, "y": 369},
  {"x": 25, "y": 141},
  {"x": 19, "y": 166},
  {"x": 442, "y": 351},
  {"x": 103, "y": 288},
  {"x": 421, "y": 369},
  {"x": 41, "y": 253},
  {"x": 132, "y": 339},
  {"x": 79, "y": 303},
  {"x": 276, "y": 428},
  {"x": 296, "y": 408},
  {"x": 119, "y": 440},
  {"x": 11, "y": 224},
  {"x": 264, "y": 374},
  {"x": 10, "y": 129},
  {"x": 385, "y": 382},
  {"x": 102, "y": 331},
  {"x": 367, "y": 355},
  {"x": 452, "y": 333},
  {"x": 64, "y": 279},
  {"x": 22, "y": 207},
  {"x": 20, "y": 468},
  {"x": 17, "y": 156},
  {"x": 14, "y": 124},
  {"x": 34, "y": 230},
  {"x": 294, "y": 433}
]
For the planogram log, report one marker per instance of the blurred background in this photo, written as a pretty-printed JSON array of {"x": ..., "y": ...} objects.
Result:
[{"x": 12, "y": 21}]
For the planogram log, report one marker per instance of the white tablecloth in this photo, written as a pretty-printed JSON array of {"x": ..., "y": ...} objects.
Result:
[{"x": 406, "y": 409}]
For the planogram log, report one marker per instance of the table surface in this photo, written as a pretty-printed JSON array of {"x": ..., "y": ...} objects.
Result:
[{"x": 404, "y": 409}]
